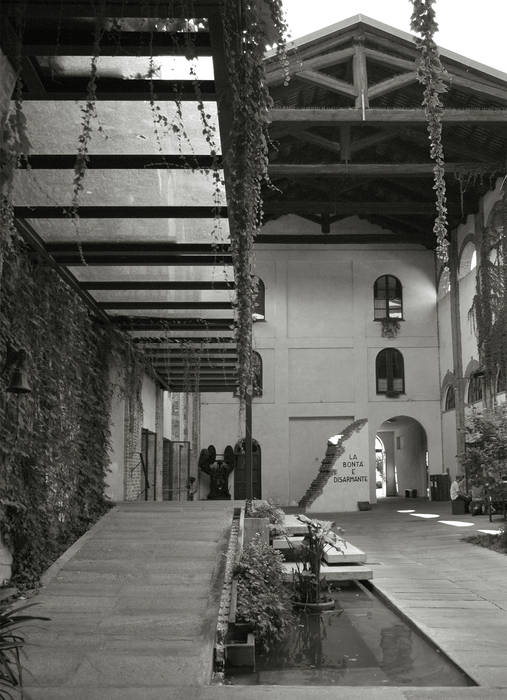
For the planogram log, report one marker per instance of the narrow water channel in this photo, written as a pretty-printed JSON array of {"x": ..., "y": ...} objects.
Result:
[{"x": 363, "y": 642}]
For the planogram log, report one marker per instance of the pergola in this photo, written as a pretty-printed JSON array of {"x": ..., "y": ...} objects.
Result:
[
  {"x": 148, "y": 244},
  {"x": 149, "y": 247}
]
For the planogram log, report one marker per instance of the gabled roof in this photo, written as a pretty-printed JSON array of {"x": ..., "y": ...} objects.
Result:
[{"x": 351, "y": 135}]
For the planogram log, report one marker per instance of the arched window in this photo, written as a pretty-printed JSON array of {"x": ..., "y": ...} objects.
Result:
[
  {"x": 475, "y": 388},
  {"x": 259, "y": 302},
  {"x": 257, "y": 373},
  {"x": 450, "y": 399},
  {"x": 387, "y": 298},
  {"x": 390, "y": 372}
]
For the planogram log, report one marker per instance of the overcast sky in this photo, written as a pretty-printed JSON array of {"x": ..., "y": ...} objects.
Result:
[{"x": 477, "y": 30}]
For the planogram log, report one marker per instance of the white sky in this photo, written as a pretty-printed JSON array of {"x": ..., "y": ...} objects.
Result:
[{"x": 476, "y": 30}]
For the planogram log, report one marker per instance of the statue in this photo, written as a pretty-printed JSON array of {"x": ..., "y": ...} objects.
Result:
[{"x": 218, "y": 471}]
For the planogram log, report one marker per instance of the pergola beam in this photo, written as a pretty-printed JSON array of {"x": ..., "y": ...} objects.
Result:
[
  {"x": 190, "y": 305},
  {"x": 205, "y": 285},
  {"x": 122, "y": 212},
  {"x": 112, "y": 89},
  {"x": 155, "y": 161},
  {"x": 148, "y": 323},
  {"x": 130, "y": 44},
  {"x": 111, "y": 8}
]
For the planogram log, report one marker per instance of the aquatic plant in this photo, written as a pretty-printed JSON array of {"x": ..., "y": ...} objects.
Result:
[{"x": 309, "y": 585}]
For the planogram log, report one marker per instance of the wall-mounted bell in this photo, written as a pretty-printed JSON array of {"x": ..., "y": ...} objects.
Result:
[{"x": 19, "y": 382}]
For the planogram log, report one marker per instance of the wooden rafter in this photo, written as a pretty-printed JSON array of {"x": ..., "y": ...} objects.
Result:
[
  {"x": 330, "y": 116},
  {"x": 408, "y": 208},
  {"x": 372, "y": 169},
  {"x": 391, "y": 84},
  {"x": 327, "y": 82}
]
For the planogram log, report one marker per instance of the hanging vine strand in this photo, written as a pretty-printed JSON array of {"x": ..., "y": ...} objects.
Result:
[
  {"x": 246, "y": 159},
  {"x": 431, "y": 74}
]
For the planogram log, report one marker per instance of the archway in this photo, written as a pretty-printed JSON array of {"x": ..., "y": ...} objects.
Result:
[{"x": 405, "y": 457}]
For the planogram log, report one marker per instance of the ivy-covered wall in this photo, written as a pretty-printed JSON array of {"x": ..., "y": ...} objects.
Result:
[{"x": 54, "y": 441}]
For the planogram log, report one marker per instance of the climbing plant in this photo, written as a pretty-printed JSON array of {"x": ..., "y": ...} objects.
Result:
[
  {"x": 489, "y": 307},
  {"x": 431, "y": 73},
  {"x": 54, "y": 441},
  {"x": 246, "y": 151}
]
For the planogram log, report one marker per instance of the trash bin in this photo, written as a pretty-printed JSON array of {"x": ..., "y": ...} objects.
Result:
[
  {"x": 413, "y": 493},
  {"x": 407, "y": 493}
]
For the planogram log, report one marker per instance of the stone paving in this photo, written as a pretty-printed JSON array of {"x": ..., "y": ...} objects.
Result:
[{"x": 133, "y": 611}]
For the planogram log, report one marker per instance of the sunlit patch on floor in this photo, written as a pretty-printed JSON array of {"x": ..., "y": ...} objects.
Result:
[
  {"x": 411, "y": 510},
  {"x": 425, "y": 515},
  {"x": 456, "y": 523},
  {"x": 491, "y": 532}
]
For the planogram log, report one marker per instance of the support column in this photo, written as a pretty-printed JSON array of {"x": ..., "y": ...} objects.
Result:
[
  {"x": 159, "y": 443},
  {"x": 248, "y": 443},
  {"x": 457, "y": 355}
]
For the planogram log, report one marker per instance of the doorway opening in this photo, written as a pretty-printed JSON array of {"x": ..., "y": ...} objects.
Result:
[{"x": 401, "y": 455}]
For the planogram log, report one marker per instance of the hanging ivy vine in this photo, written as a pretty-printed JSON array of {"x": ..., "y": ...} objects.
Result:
[
  {"x": 246, "y": 154},
  {"x": 489, "y": 308},
  {"x": 431, "y": 73}
]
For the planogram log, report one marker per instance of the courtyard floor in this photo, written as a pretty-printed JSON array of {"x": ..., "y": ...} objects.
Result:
[{"x": 133, "y": 604}]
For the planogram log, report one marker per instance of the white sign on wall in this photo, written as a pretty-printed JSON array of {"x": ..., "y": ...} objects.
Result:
[{"x": 348, "y": 481}]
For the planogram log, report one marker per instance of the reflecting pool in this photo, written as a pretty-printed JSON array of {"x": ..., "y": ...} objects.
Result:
[{"x": 363, "y": 642}]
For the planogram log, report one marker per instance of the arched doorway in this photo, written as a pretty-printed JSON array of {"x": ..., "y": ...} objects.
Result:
[
  {"x": 240, "y": 470},
  {"x": 405, "y": 457}
]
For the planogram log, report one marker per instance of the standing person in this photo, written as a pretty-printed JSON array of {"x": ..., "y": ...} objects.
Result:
[{"x": 458, "y": 491}]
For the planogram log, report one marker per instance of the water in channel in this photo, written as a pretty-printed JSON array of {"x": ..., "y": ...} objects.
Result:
[{"x": 363, "y": 642}]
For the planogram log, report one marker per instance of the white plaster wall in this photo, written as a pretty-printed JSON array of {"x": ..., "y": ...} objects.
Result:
[
  {"x": 149, "y": 400},
  {"x": 319, "y": 344}
]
